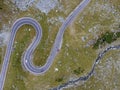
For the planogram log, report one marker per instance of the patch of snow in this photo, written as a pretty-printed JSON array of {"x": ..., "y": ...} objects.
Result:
[
  {"x": 29, "y": 29},
  {"x": 56, "y": 69}
]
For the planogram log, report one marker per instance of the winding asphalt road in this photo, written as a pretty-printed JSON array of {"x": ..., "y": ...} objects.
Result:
[{"x": 27, "y": 57}]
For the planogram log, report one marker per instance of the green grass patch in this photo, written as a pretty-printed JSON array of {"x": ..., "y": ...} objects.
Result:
[
  {"x": 1, "y": 4},
  {"x": 108, "y": 37},
  {"x": 60, "y": 79},
  {"x": 78, "y": 71}
]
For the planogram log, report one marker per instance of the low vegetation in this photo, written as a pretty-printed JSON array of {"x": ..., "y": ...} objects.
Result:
[
  {"x": 78, "y": 71},
  {"x": 108, "y": 37},
  {"x": 1, "y": 3},
  {"x": 60, "y": 79},
  {"x": 73, "y": 57}
]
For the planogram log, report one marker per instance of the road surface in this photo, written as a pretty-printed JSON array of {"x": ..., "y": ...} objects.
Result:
[{"x": 27, "y": 57}]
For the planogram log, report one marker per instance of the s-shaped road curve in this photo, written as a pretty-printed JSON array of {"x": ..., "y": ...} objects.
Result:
[{"x": 27, "y": 57}]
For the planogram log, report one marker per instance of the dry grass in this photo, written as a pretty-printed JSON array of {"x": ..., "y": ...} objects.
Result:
[{"x": 73, "y": 54}]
